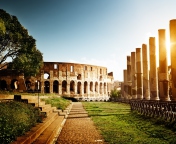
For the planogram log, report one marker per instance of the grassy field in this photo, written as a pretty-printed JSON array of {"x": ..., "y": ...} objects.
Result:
[
  {"x": 118, "y": 125},
  {"x": 60, "y": 102}
]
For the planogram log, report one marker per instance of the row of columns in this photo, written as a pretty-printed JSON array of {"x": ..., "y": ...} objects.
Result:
[{"x": 140, "y": 82}]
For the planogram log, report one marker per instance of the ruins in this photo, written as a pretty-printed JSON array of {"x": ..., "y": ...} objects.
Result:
[
  {"x": 82, "y": 81},
  {"x": 153, "y": 90}
]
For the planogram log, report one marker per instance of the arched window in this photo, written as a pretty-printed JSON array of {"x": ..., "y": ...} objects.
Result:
[
  {"x": 72, "y": 87},
  {"x": 14, "y": 84},
  {"x": 64, "y": 87},
  {"x": 46, "y": 76},
  {"x": 79, "y": 87},
  {"x": 3, "y": 85},
  {"x": 85, "y": 87},
  {"x": 55, "y": 86},
  {"x": 47, "y": 87},
  {"x": 91, "y": 86}
]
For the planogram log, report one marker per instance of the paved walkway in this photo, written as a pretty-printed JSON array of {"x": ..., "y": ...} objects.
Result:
[{"x": 79, "y": 128}]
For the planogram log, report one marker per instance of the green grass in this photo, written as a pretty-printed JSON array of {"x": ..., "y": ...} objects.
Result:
[
  {"x": 58, "y": 102},
  {"x": 118, "y": 125}
]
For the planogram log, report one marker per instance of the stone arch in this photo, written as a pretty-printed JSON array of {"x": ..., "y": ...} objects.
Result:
[
  {"x": 47, "y": 87},
  {"x": 96, "y": 86},
  {"x": 91, "y": 86},
  {"x": 28, "y": 85},
  {"x": 101, "y": 86},
  {"x": 64, "y": 86},
  {"x": 72, "y": 87},
  {"x": 79, "y": 87},
  {"x": 14, "y": 84},
  {"x": 55, "y": 86},
  {"x": 3, "y": 85},
  {"x": 79, "y": 77},
  {"x": 104, "y": 88},
  {"x": 85, "y": 87}
]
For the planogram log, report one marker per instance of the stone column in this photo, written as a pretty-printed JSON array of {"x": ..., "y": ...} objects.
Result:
[
  {"x": 51, "y": 86},
  {"x": 93, "y": 89},
  {"x": 98, "y": 89},
  {"x": 153, "y": 70},
  {"x": 51, "y": 81},
  {"x": 88, "y": 89},
  {"x": 122, "y": 90},
  {"x": 68, "y": 87},
  {"x": 163, "y": 68},
  {"x": 173, "y": 57},
  {"x": 139, "y": 74},
  {"x": 125, "y": 84},
  {"x": 75, "y": 87},
  {"x": 82, "y": 89},
  {"x": 146, "y": 90},
  {"x": 129, "y": 76},
  {"x": 101, "y": 89},
  {"x": 133, "y": 75},
  {"x": 60, "y": 87}
]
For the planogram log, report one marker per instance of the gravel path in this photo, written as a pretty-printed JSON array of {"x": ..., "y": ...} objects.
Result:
[{"x": 79, "y": 128}]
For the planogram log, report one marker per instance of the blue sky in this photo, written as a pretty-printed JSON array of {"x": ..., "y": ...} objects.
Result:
[{"x": 98, "y": 32}]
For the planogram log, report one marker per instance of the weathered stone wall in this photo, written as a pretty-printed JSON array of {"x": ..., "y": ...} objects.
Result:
[
  {"x": 88, "y": 82},
  {"x": 12, "y": 80}
]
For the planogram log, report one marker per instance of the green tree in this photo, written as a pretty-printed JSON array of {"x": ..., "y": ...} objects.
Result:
[
  {"x": 2, "y": 27},
  {"x": 29, "y": 63},
  {"x": 115, "y": 94},
  {"x": 17, "y": 44}
]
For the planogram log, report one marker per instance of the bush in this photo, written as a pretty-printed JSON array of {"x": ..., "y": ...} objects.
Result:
[
  {"x": 16, "y": 118},
  {"x": 115, "y": 94}
]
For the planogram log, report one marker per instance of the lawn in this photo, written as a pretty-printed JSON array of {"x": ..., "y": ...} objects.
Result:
[
  {"x": 58, "y": 102},
  {"x": 118, "y": 125}
]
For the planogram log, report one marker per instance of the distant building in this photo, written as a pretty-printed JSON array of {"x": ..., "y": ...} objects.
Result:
[
  {"x": 82, "y": 81},
  {"x": 117, "y": 85}
]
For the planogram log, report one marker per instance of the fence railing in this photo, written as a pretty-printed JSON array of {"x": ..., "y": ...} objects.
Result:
[{"x": 165, "y": 110}]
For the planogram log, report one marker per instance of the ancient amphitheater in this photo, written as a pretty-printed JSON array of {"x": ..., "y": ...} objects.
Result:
[{"x": 82, "y": 81}]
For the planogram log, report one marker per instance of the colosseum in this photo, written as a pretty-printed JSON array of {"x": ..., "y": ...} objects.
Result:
[{"x": 81, "y": 81}]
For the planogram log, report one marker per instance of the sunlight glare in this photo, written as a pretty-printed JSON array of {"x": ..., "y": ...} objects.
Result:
[{"x": 168, "y": 47}]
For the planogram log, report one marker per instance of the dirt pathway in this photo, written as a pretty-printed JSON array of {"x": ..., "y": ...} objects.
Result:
[{"x": 79, "y": 128}]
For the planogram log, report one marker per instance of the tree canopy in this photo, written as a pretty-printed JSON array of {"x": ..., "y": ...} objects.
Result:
[{"x": 17, "y": 44}]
